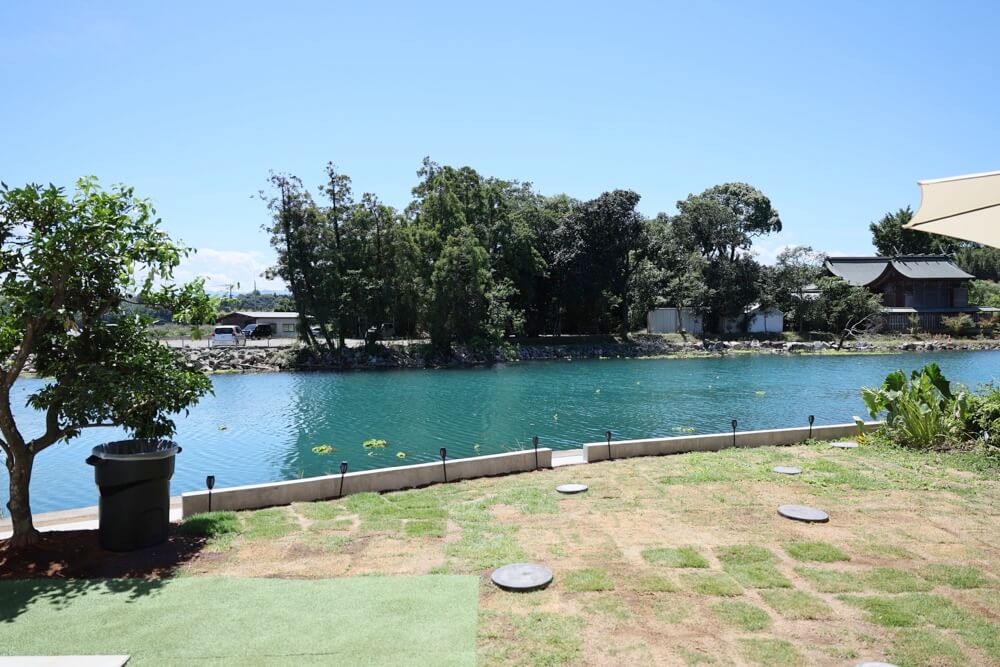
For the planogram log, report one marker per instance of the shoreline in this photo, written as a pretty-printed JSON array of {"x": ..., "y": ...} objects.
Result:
[{"x": 227, "y": 360}]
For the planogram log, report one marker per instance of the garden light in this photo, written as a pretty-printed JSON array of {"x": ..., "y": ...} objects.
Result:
[
  {"x": 733, "y": 423},
  {"x": 607, "y": 434},
  {"x": 343, "y": 471},
  {"x": 210, "y": 483},
  {"x": 444, "y": 466},
  {"x": 812, "y": 418}
]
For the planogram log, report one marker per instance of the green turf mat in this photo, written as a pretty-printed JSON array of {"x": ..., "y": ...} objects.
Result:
[{"x": 429, "y": 620}]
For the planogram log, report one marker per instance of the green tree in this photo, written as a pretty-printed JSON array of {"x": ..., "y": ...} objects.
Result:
[
  {"x": 342, "y": 285},
  {"x": 68, "y": 262},
  {"x": 847, "y": 310},
  {"x": 460, "y": 283},
  {"x": 890, "y": 239},
  {"x": 795, "y": 269},
  {"x": 984, "y": 293},
  {"x": 602, "y": 241}
]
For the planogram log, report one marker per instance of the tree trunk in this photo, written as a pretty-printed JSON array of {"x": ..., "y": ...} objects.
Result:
[{"x": 20, "y": 509}]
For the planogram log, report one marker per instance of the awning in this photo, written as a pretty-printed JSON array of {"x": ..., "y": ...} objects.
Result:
[{"x": 963, "y": 207}]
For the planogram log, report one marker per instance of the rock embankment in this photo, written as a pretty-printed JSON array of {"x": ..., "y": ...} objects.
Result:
[{"x": 255, "y": 360}]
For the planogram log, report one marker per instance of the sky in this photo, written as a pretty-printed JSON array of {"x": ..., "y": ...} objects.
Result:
[{"x": 834, "y": 110}]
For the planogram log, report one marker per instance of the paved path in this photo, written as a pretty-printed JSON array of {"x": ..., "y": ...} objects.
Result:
[{"x": 81, "y": 518}]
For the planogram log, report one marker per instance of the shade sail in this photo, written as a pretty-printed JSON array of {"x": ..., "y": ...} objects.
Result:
[{"x": 964, "y": 207}]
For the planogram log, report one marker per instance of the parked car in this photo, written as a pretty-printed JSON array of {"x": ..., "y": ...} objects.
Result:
[
  {"x": 226, "y": 334},
  {"x": 258, "y": 331}
]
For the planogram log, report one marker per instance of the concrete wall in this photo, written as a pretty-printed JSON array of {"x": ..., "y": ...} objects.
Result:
[
  {"x": 277, "y": 327},
  {"x": 384, "y": 479},
  {"x": 598, "y": 451}
]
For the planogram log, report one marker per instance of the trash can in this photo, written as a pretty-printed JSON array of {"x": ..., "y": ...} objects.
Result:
[{"x": 134, "y": 480}]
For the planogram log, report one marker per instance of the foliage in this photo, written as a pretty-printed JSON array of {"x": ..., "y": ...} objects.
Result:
[
  {"x": 323, "y": 450},
  {"x": 984, "y": 293},
  {"x": 68, "y": 264},
  {"x": 211, "y": 524},
  {"x": 846, "y": 309},
  {"x": 959, "y": 324},
  {"x": 375, "y": 443},
  {"x": 921, "y": 411},
  {"x": 795, "y": 269}
]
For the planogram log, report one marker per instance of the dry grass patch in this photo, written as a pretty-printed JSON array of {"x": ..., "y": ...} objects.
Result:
[{"x": 797, "y": 605}]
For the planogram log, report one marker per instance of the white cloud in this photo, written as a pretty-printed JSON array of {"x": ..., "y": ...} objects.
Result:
[{"x": 221, "y": 268}]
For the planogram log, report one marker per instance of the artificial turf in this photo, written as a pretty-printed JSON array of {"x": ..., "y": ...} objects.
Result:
[{"x": 429, "y": 620}]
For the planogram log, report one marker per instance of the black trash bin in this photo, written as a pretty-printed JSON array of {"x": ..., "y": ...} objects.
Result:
[{"x": 134, "y": 479}]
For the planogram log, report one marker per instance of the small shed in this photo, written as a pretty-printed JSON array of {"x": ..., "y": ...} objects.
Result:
[
  {"x": 672, "y": 320},
  {"x": 283, "y": 324}
]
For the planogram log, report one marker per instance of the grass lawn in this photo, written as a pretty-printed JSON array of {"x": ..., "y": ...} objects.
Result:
[
  {"x": 677, "y": 560},
  {"x": 427, "y": 620}
]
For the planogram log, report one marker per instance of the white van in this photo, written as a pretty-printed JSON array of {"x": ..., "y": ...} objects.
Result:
[{"x": 225, "y": 334}]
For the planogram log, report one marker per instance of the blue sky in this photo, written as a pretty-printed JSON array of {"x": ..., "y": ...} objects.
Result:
[{"x": 834, "y": 110}]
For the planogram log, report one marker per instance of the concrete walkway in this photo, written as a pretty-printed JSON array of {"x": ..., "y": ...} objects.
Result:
[{"x": 81, "y": 518}]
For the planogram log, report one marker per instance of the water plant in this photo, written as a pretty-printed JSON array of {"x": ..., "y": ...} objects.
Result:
[
  {"x": 400, "y": 455},
  {"x": 323, "y": 450},
  {"x": 375, "y": 443}
]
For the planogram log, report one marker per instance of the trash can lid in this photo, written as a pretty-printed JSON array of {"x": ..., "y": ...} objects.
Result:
[{"x": 139, "y": 448}]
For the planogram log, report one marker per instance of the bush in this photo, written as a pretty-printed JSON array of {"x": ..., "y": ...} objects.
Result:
[
  {"x": 922, "y": 411},
  {"x": 987, "y": 325},
  {"x": 983, "y": 420},
  {"x": 959, "y": 325}
]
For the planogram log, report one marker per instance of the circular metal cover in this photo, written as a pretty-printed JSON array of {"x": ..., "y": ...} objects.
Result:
[
  {"x": 803, "y": 513},
  {"x": 571, "y": 488},
  {"x": 522, "y": 577},
  {"x": 849, "y": 444},
  {"x": 786, "y": 470}
]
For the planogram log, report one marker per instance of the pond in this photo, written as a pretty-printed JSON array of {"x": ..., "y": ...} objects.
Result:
[{"x": 261, "y": 428}]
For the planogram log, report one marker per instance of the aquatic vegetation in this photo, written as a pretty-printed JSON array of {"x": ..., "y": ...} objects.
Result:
[
  {"x": 400, "y": 455},
  {"x": 683, "y": 429},
  {"x": 323, "y": 450},
  {"x": 760, "y": 392},
  {"x": 375, "y": 443}
]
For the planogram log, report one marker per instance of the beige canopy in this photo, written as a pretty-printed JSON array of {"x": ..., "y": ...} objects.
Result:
[{"x": 965, "y": 207}]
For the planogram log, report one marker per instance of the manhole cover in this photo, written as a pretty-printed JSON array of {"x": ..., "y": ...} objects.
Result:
[
  {"x": 571, "y": 488},
  {"x": 522, "y": 577},
  {"x": 849, "y": 444},
  {"x": 803, "y": 513},
  {"x": 786, "y": 470}
]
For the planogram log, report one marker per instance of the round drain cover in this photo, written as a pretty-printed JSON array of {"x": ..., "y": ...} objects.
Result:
[
  {"x": 786, "y": 470},
  {"x": 522, "y": 577},
  {"x": 571, "y": 488},
  {"x": 803, "y": 513},
  {"x": 848, "y": 444}
]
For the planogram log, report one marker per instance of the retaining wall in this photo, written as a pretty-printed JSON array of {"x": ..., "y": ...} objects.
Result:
[
  {"x": 255, "y": 496},
  {"x": 621, "y": 449}
]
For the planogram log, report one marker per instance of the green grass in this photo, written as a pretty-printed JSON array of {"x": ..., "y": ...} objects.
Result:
[
  {"x": 319, "y": 511},
  {"x": 655, "y": 583},
  {"x": 527, "y": 640},
  {"x": 741, "y": 615},
  {"x": 672, "y": 608},
  {"x": 771, "y": 652},
  {"x": 682, "y": 557},
  {"x": 815, "y": 551},
  {"x": 235, "y": 621},
  {"x": 893, "y": 580},
  {"x": 424, "y": 528},
  {"x": 588, "y": 579},
  {"x": 269, "y": 524},
  {"x": 955, "y": 576},
  {"x": 797, "y": 605},
  {"x": 752, "y": 566},
  {"x": 925, "y": 647},
  {"x": 712, "y": 583},
  {"x": 692, "y": 657},
  {"x": 831, "y": 581},
  {"x": 607, "y": 605},
  {"x": 211, "y": 524}
]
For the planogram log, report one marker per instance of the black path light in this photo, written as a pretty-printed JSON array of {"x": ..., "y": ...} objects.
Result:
[
  {"x": 444, "y": 465},
  {"x": 733, "y": 424},
  {"x": 812, "y": 418},
  {"x": 607, "y": 434},
  {"x": 210, "y": 483},
  {"x": 343, "y": 471},
  {"x": 534, "y": 443}
]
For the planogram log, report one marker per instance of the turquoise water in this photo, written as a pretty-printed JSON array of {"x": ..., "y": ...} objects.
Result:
[{"x": 259, "y": 428}]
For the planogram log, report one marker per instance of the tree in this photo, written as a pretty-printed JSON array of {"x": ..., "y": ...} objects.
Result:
[
  {"x": 891, "y": 240},
  {"x": 847, "y": 310},
  {"x": 720, "y": 224},
  {"x": 602, "y": 241},
  {"x": 796, "y": 268},
  {"x": 66, "y": 263},
  {"x": 460, "y": 284}
]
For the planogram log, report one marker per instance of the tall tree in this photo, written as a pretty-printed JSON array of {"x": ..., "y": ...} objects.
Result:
[
  {"x": 602, "y": 241},
  {"x": 338, "y": 190},
  {"x": 67, "y": 262},
  {"x": 890, "y": 239},
  {"x": 460, "y": 284},
  {"x": 847, "y": 310},
  {"x": 796, "y": 268}
]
